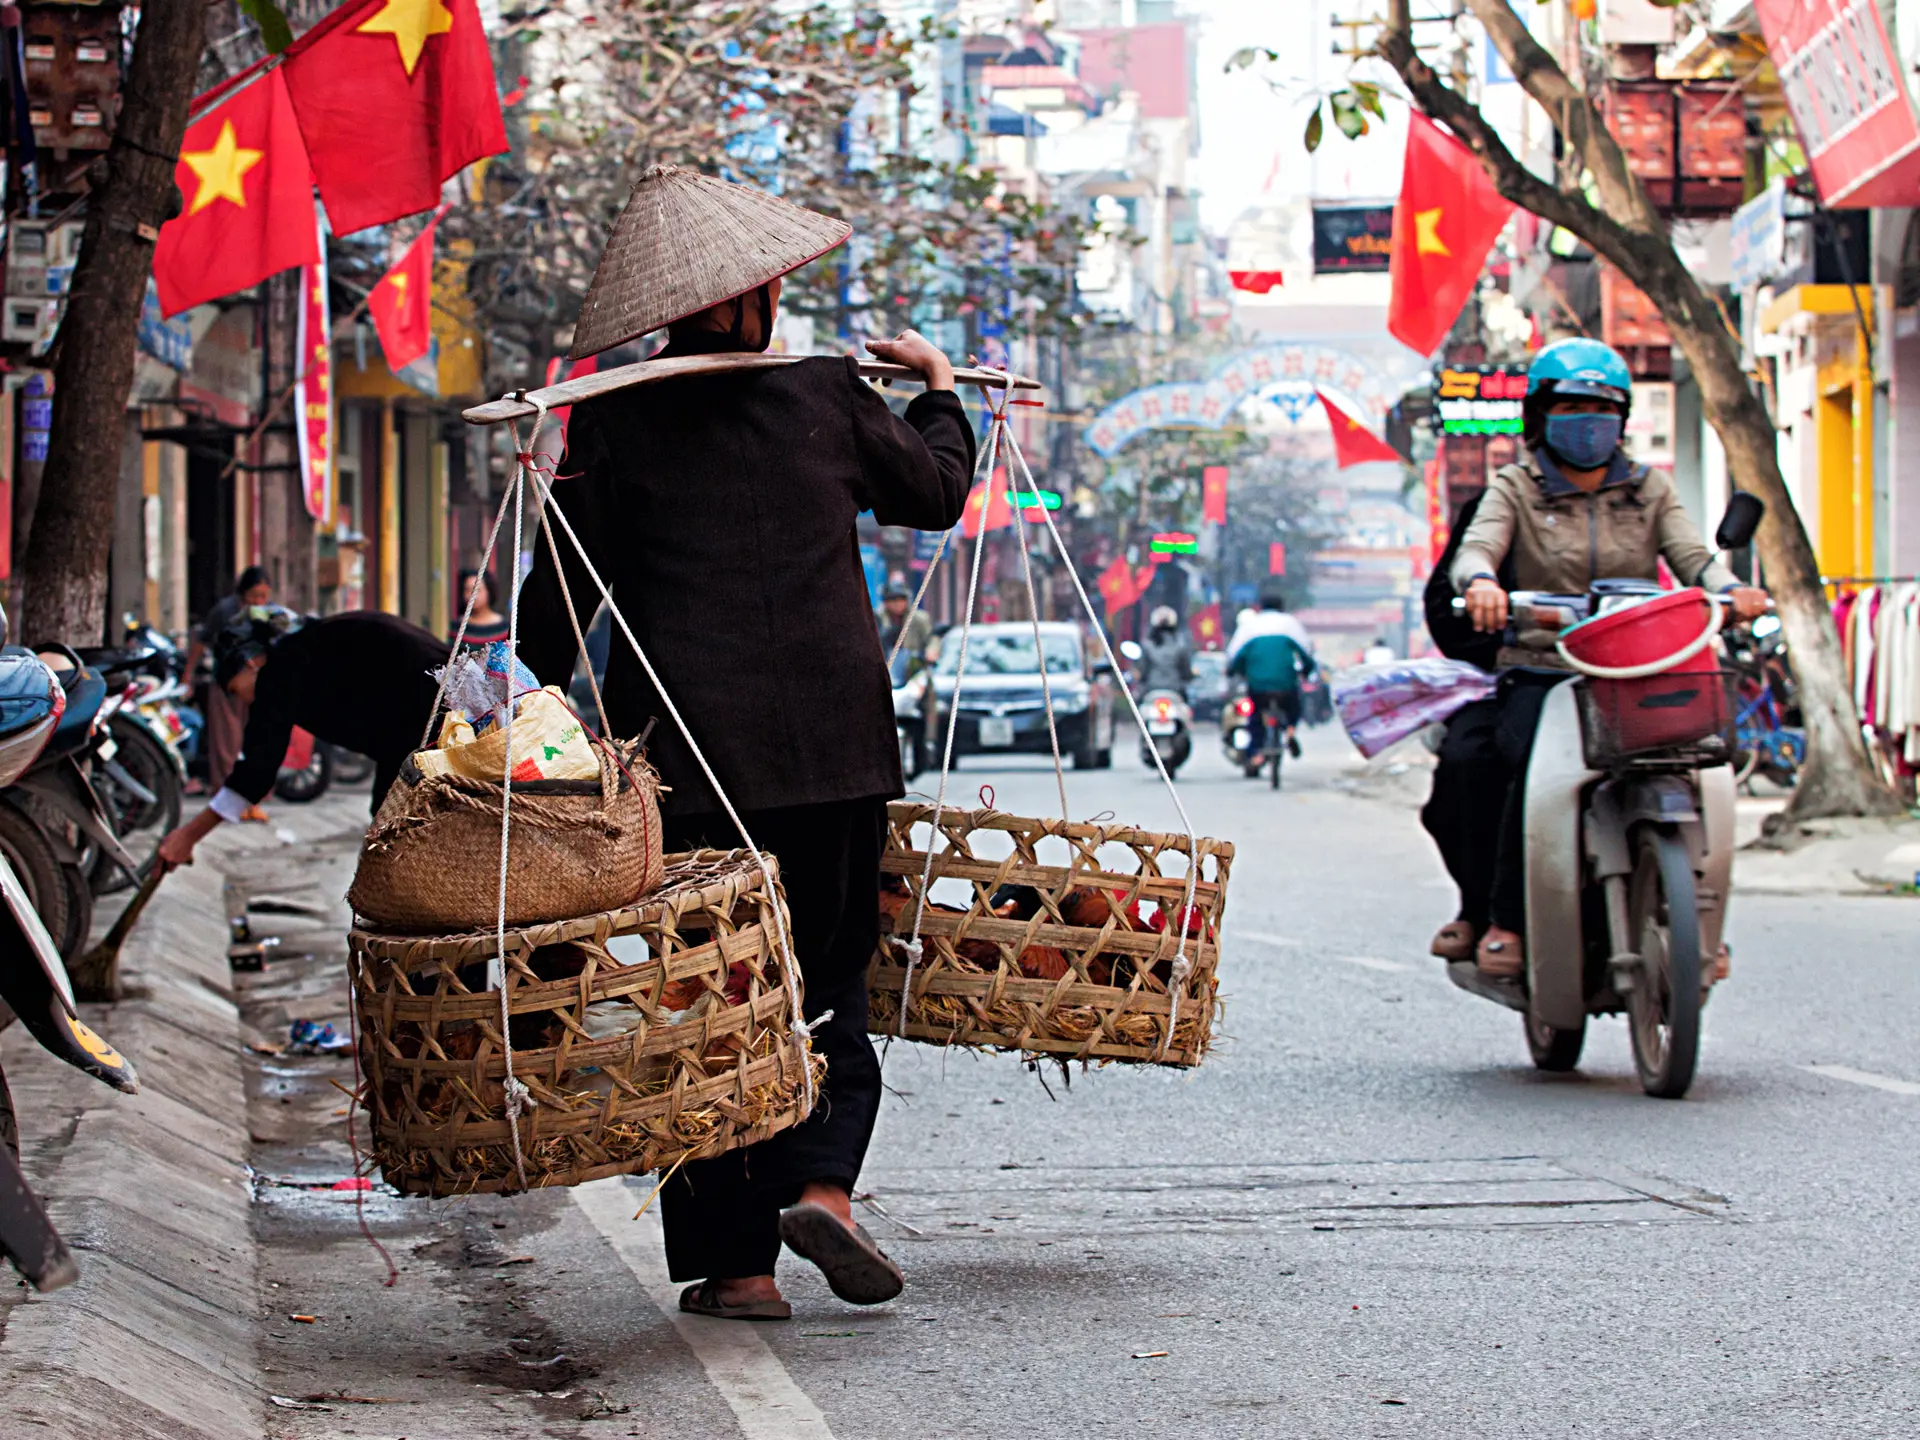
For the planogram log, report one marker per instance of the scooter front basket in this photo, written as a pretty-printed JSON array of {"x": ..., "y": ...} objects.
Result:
[{"x": 1680, "y": 717}]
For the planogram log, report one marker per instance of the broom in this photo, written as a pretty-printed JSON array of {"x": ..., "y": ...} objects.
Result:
[{"x": 96, "y": 974}]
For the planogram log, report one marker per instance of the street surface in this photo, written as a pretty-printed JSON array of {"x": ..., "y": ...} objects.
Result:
[{"x": 1366, "y": 1215}]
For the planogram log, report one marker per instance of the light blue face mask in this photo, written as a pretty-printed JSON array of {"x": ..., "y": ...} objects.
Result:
[{"x": 1584, "y": 441}]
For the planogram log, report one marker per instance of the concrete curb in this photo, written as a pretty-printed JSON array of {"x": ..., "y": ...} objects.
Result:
[{"x": 158, "y": 1337}]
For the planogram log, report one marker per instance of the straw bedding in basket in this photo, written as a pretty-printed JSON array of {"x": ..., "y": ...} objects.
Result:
[
  {"x": 631, "y": 1067},
  {"x": 431, "y": 861},
  {"x": 1067, "y": 947}
]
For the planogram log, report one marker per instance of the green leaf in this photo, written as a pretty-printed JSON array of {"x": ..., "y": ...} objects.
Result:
[
  {"x": 1247, "y": 55},
  {"x": 275, "y": 33},
  {"x": 1315, "y": 127},
  {"x": 1346, "y": 114},
  {"x": 1369, "y": 97}
]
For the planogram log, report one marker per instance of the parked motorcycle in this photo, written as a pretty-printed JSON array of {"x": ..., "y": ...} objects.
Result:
[
  {"x": 137, "y": 765},
  {"x": 1768, "y": 732},
  {"x": 1629, "y": 829},
  {"x": 33, "y": 980}
]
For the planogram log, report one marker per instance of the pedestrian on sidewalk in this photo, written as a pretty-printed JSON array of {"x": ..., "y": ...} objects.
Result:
[
  {"x": 361, "y": 681},
  {"x": 485, "y": 624},
  {"x": 226, "y": 716},
  {"x": 723, "y": 506}
]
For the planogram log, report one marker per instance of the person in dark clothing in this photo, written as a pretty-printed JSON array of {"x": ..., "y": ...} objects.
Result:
[
  {"x": 226, "y": 717},
  {"x": 362, "y": 681},
  {"x": 486, "y": 624},
  {"x": 721, "y": 508},
  {"x": 1166, "y": 655}
]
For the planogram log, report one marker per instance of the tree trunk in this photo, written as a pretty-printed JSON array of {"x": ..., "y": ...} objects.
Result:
[
  {"x": 64, "y": 579},
  {"x": 1838, "y": 778}
]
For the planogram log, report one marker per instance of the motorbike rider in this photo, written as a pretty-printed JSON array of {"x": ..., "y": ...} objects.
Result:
[
  {"x": 1268, "y": 651},
  {"x": 1576, "y": 509},
  {"x": 362, "y": 681},
  {"x": 1166, "y": 656}
]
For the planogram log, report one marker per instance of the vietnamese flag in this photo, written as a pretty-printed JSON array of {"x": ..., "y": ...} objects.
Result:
[
  {"x": 1213, "y": 495},
  {"x": 393, "y": 96},
  {"x": 1117, "y": 586},
  {"x": 1258, "y": 282},
  {"x": 1353, "y": 443},
  {"x": 401, "y": 304},
  {"x": 1207, "y": 631},
  {"x": 990, "y": 499},
  {"x": 247, "y": 193},
  {"x": 1446, "y": 219}
]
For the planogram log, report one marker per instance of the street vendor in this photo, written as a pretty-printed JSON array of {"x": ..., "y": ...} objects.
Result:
[
  {"x": 361, "y": 681},
  {"x": 722, "y": 506}
]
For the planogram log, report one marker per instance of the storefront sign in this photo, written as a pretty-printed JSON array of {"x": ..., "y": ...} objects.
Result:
[
  {"x": 1843, "y": 85},
  {"x": 1351, "y": 238},
  {"x": 1759, "y": 237},
  {"x": 315, "y": 381},
  {"x": 1484, "y": 400}
]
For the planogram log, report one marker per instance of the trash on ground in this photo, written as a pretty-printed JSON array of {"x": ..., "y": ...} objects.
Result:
[
  {"x": 287, "y": 1402},
  {"x": 305, "y": 1319},
  {"x": 311, "y": 1037},
  {"x": 1150, "y": 1354}
]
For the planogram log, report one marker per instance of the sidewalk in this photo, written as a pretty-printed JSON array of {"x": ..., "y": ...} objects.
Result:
[{"x": 159, "y": 1337}]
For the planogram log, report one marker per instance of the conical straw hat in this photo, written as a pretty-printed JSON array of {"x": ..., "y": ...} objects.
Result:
[{"x": 686, "y": 241}]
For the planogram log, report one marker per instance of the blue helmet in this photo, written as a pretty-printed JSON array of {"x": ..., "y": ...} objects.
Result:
[{"x": 1579, "y": 366}]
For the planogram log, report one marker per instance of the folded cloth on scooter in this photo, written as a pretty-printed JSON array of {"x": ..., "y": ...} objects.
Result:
[{"x": 1382, "y": 704}]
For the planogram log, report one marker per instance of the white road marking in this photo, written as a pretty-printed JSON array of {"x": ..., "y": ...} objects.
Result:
[
  {"x": 1864, "y": 1077},
  {"x": 750, "y": 1378},
  {"x": 1270, "y": 939},
  {"x": 1369, "y": 962}
]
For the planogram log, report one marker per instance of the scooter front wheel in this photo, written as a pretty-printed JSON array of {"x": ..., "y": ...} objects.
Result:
[
  {"x": 1664, "y": 1005},
  {"x": 1551, "y": 1047}
]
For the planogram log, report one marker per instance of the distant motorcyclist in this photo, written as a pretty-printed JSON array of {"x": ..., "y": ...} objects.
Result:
[
  {"x": 1166, "y": 655},
  {"x": 896, "y": 604},
  {"x": 1576, "y": 510},
  {"x": 1266, "y": 652}
]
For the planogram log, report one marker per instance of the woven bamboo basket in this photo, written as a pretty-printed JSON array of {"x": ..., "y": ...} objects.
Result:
[
  {"x": 1067, "y": 960},
  {"x": 684, "y": 1054}
]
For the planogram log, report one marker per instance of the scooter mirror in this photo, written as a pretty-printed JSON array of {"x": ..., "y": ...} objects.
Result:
[
  {"x": 1131, "y": 649},
  {"x": 1743, "y": 517}
]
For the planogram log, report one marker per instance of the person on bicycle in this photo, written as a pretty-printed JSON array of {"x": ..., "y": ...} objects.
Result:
[
  {"x": 1166, "y": 656},
  {"x": 1267, "y": 655},
  {"x": 1576, "y": 509}
]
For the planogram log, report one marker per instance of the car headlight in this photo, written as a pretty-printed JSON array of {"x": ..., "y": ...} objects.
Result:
[{"x": 1069, "y": 702}]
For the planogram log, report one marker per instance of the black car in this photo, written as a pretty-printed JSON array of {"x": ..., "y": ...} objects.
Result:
[{"x": 1003, "y": 702}]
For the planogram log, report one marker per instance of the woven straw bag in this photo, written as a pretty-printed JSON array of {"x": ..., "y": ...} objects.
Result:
[{"x": 431, "y": 862}]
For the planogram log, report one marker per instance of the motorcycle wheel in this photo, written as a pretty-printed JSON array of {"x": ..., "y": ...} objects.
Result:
[
  {"x": 1552, "y": 1048},
  {"x": 351, "y": 768},
  {"x": 141, "y": 825},
  {"x": 300, "y": 786},
  {"x": 33, "y": 859},
  {"x": 1664, "y": 925}
]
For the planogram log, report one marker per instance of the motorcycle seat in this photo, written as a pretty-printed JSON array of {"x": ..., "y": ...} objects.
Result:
[
  {"x": 115, "y": 659},
  {"x": 86, "y": 693}
]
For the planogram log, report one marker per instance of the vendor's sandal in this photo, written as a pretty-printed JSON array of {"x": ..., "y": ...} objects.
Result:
[
  {"x": 1453, "y": 941},
  {"x": 704, "y": 1299},
  {"x": 857, "y": 1270},
  {"x": 1500, "y": 959}
]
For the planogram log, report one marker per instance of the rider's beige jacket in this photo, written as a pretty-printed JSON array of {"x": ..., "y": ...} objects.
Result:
[{"x": 1561, "y": 538}]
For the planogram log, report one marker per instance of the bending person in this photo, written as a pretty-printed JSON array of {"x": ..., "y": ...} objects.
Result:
[
  {"x": 1576, "y": 510},
  {"x": 721, "y": 509}
]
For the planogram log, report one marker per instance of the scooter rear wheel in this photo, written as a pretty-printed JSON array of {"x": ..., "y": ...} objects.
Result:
[
  {"x": 1664, "y": 926},
  {"x": 1552, "y": 1048}
]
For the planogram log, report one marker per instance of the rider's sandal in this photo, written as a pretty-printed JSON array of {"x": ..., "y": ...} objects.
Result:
[
  {"x": 704, "y": 1299},
  {"x": 1500, "y": 959},
  {"x": 1453, "y": 941}
]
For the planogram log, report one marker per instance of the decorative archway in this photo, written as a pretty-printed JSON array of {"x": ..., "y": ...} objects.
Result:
[{"x": 1288, "y": 371}]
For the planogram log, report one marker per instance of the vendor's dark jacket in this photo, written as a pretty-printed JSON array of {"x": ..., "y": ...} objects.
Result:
[
  {"x": 721, "y": 509},
  {"x": 361, "y": 680}
]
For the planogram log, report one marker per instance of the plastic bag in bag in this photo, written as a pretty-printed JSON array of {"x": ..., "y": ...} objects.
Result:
[
  {"x": 548, "y": 744},
  {"x": 1382, "y": 704}
]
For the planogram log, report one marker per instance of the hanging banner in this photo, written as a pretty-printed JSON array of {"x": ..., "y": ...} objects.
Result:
[
  {"x": 1213, "y": 494},
  {"x": 315, "y": 428},
  {"x": 1852, "y": 112}
]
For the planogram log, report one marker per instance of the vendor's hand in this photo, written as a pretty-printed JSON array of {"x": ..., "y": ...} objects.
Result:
[
  {"x": 177, "y": 848},
  {"x": 1486, "y": 605},
  {"x": 913, "y": 350},
  {"x": 1749, "y": 602}
]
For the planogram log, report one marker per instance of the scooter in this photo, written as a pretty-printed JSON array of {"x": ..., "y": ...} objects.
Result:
[
  {"x": 33, "y": 980},
  {"x": 1169, "y": 726},
  {"x": 1629, "y": 845}
]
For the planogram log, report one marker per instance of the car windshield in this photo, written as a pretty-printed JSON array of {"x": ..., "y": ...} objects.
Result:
[
  {"x": 1011, "y": 653},
  {"x": 1209, "y": 660}
]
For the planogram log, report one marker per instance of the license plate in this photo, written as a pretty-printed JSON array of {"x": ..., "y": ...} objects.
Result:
[
  {"x": 1240, "y": 739},
  {"x": 1163, "y": 727},
  {"x": 996, "y": 730}
]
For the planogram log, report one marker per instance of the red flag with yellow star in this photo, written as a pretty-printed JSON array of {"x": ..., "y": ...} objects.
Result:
[
  {"x": 247, "y": 201},
  {"x": 1446, "y": 219},
  {"x": 1353, "y": 443},
  {"x": 401, "y": 304},
  {"x": 393, "y": 96}
]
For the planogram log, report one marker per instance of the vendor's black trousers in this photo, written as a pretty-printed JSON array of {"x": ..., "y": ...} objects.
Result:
[
  {"x": 1477, "y": 810},
  {"x": 722, "y": 1216}
]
